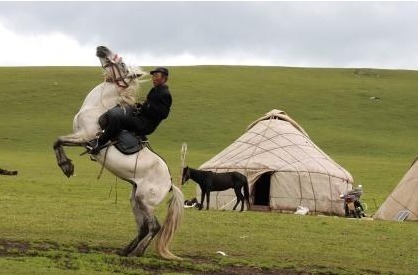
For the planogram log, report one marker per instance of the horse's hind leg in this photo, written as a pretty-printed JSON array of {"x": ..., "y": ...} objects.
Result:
[
  {"x": 153, "y": 228},
  {"x": 237, "y": 203},
  {"x": 148, "y": 226},
  {"x": 141, "y": 226},
  {"x": 133, "y": 244},
  {"x": 240, "y": 197}
]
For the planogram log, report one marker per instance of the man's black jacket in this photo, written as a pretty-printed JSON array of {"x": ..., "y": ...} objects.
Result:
[{"x": 158, "y": 103}]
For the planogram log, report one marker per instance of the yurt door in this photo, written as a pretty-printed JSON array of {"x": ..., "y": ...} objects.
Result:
[{"x": 261, "y": 192}]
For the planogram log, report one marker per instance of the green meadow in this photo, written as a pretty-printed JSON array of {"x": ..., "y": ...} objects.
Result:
[{"x": 365, "y": 119}]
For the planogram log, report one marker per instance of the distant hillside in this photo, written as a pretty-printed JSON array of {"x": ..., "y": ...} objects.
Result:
[{"x": 365, "y": 119}]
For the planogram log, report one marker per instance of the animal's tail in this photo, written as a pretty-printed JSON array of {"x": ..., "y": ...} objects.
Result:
[
  {"x": 171, "y": 224},
  {"x": 246, "y": 194}
]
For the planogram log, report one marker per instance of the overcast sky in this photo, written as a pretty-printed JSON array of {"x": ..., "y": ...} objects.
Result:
[{"x": 303, "y": 34}]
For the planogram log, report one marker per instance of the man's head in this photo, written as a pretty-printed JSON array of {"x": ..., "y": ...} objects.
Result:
[{"x": 160, "y": 76}]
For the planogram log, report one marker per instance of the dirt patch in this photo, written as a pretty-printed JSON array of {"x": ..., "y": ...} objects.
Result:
[
  {"x": 85, "y": 248},
  {"x": 231, "y": 270},
  {"x": 12, "y": 248},
  {"x": 62, "y": 256},
  {"x": 22, "y": 247}
]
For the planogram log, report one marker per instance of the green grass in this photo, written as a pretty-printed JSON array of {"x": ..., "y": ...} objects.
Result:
[{"x": 375, "y": 140}]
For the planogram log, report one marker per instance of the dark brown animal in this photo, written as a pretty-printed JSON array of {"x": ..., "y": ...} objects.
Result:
[
  {"x": 8, "y": 173},
  {"x": 210, "y": 181}
]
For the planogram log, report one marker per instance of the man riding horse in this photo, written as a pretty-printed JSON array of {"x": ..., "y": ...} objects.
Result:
[
  {"x": 142, "y": 119},
  {"x": 147, "y": 172}
]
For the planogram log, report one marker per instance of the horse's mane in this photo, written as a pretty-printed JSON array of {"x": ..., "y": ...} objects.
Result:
[
  {"x": 128, "y": 96},
  {"x": 199, "y": 175}
]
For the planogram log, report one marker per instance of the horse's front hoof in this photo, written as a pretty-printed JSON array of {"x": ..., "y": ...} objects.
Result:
[{"x": 67, "y": 167}]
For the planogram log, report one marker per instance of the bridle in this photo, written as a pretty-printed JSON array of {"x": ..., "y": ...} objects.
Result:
[{"x": 117, "y": 76}]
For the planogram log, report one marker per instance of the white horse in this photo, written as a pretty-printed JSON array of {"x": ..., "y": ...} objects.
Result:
[{"x": 146, "y": 171}]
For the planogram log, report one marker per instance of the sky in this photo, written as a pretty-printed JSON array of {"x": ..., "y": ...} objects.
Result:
[{"x": 336, "y": 34}]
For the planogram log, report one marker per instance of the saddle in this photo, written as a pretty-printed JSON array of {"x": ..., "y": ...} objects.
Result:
[{"x": 128, "y": 143}]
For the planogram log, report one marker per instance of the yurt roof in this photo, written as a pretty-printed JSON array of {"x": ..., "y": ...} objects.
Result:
[
  {"x": 402, "y": 203},
  {"x": 275, "y": 142}
]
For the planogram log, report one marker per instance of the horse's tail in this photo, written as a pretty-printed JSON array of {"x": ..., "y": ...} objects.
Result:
[
  {"x": 246, "y": 193},
  {"x": 171, "y": 224}
]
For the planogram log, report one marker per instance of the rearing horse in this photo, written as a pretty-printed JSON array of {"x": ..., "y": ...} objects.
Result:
[{"x": 146, "y": 171}]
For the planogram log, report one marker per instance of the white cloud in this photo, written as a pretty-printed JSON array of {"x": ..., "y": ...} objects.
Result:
[
  {"x": 57, "y": 49},
  {"x": 188, "y": 59},
  {"x": 48, "y": 49},
  {"x": 307, "y": 34}
]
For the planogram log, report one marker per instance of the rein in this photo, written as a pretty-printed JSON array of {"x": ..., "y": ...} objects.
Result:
[{"x": 104, "y": 159}]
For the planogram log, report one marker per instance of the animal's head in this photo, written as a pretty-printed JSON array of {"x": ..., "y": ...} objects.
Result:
[
  {"x": 115, "y": 69},
  {"x": 185, "y": 175}
]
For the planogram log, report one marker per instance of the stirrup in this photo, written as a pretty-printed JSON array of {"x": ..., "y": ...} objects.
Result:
[
  {"x": 92, "y": 143},
  {"x": 97, "y": 148},
  {"x": 90, "y": 146}
]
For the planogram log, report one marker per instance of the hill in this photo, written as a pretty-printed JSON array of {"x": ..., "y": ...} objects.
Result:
[{"x": 365, "y": 119}]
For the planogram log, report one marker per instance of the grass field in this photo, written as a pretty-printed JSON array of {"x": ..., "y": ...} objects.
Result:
[{"x": 53, "y": 225}]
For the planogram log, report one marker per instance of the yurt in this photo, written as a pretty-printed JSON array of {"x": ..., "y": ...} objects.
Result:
[
  {"x": 402, "y": 204},
  {"x": 284, "y": 167}
]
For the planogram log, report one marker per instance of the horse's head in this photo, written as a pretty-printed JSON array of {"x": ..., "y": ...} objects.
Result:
[
  {"x": 186, "y": 175},
  {"x": 115, "y": 69}
]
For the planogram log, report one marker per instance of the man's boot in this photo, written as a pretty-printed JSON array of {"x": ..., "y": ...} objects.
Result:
[{"x": 93, "y": 146}]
